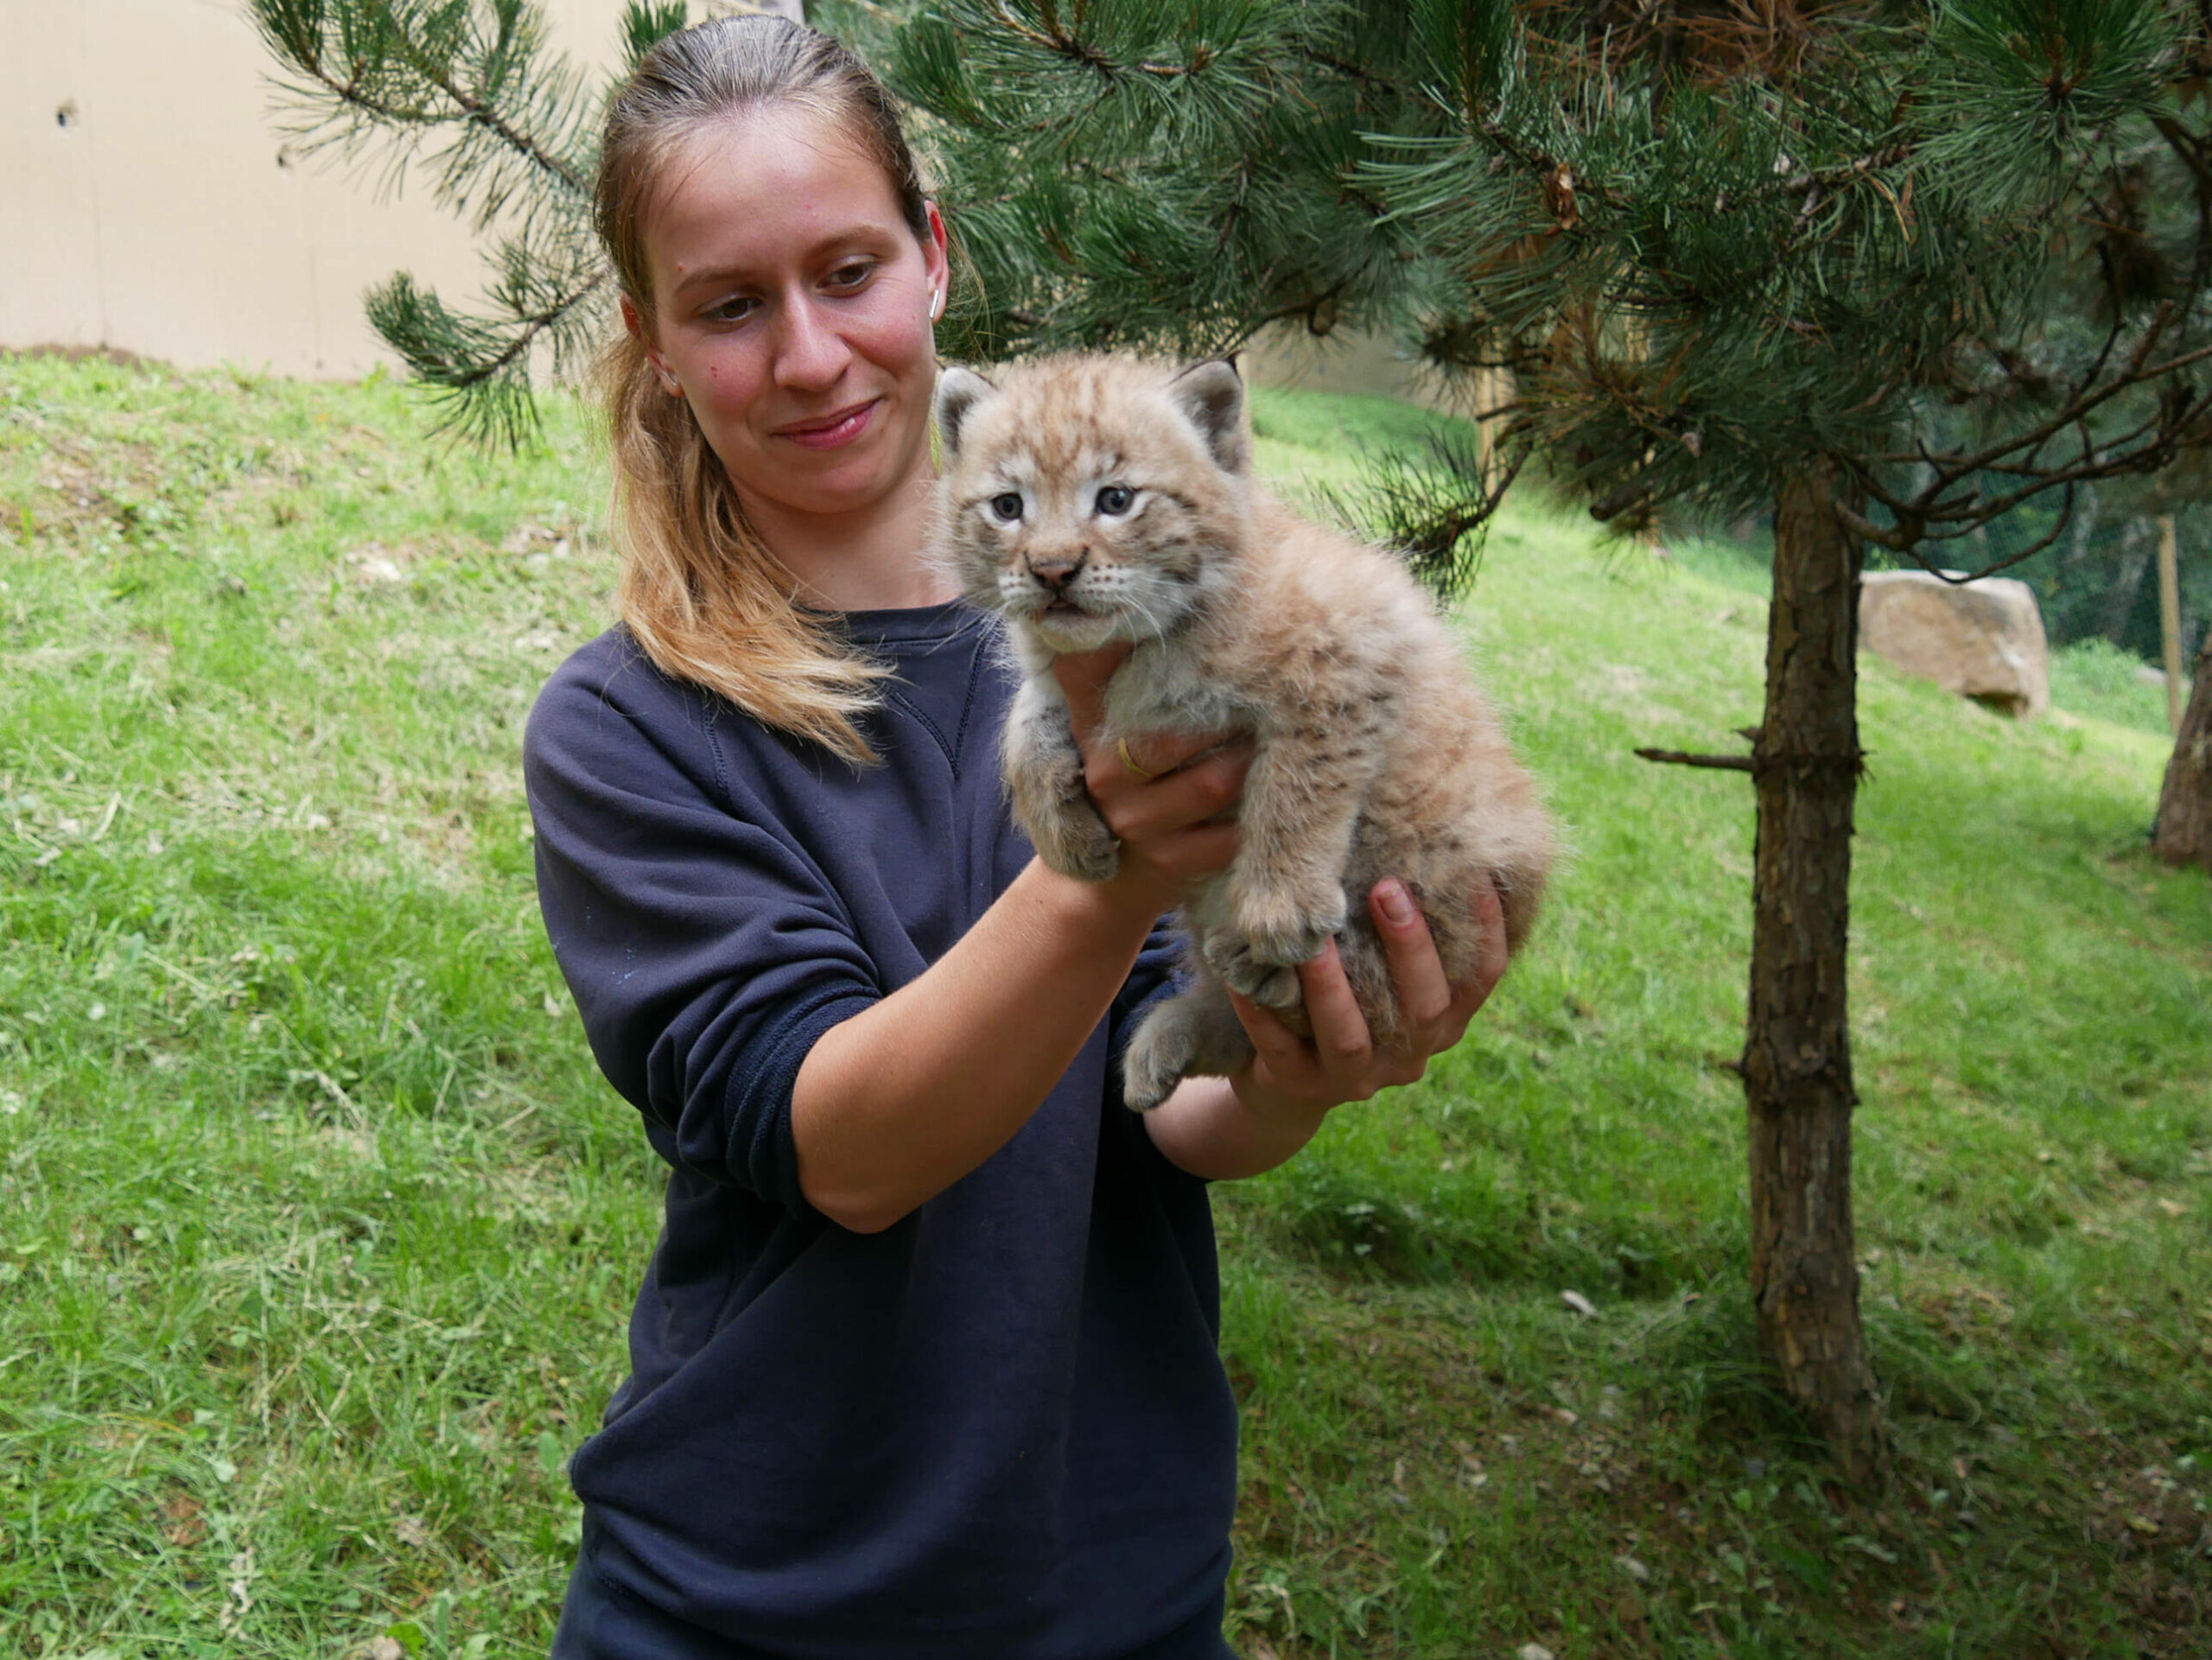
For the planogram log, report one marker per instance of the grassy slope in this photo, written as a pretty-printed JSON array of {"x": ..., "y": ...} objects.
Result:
[{"x": 317, "y": 1228}]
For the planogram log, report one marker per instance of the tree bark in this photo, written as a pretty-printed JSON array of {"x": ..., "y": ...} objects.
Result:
[
  {"x": 2183, "y": 835},
  {"x": 1806, "y": 762}
]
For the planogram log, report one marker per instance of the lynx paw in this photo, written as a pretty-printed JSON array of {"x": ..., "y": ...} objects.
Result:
[
  {"x": 1244, "y": 970},
  {"x": 1154, "y": 1062},
  {"x": 1283, "y": 929},
  {"x": 1076, "y": 843}
]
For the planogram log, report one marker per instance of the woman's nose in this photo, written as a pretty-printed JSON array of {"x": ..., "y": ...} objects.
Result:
[{"x": 810, "y": 351}]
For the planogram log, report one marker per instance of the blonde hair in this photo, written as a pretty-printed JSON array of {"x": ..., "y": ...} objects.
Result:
[{"x": 700, "y": 592}]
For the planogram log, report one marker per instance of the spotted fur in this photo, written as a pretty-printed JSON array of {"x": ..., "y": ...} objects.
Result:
[{"x": 1100, "y": 498}]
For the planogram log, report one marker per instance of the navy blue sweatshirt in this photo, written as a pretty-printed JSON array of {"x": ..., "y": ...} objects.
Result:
[{"x": 998, "y": 1427}]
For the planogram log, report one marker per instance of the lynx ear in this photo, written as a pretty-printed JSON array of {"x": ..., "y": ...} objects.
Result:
[
  {"x": 960, "y": 392},
  {"x": 1212, "y": 395}
]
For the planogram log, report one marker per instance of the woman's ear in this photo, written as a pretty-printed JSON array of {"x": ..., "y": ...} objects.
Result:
[
  {"x": 937, "y": 260},
  {"x": 634, "y": 321}
]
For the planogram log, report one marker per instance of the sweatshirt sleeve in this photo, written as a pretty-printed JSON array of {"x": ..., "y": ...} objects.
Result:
[{"x": 705, "y": 949}]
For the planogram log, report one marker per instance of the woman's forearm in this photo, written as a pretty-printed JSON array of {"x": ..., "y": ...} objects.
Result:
[
  {"x": 895, "y": 1104},
  {"x": 1208, "y": 1129}
]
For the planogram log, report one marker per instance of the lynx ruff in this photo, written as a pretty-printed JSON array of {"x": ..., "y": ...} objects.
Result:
[{"x": 1092, "y": 500}]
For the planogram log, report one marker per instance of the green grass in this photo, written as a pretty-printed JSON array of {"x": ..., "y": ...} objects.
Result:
[
  {"x": 2095, "y": 676},
  {"x": 318, "y": 1228}
]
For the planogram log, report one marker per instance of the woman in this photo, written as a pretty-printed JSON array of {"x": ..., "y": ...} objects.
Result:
[{"x": 925, "y": 1363}]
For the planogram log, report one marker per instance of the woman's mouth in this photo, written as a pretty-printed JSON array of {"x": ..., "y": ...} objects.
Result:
[{"x": 840, "y": 428}]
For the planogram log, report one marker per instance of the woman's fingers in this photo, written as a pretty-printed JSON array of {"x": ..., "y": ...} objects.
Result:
[
  {"x": 1424, "y": 994},
  {"x": 1200, "y": 851},
  {"x": 1281, "y": 1051},
  {"x": 1339, "y": 1062},
  {"x": 1154, "y": 757},
  {"x": 1341, "y": 1039},
  {"x": 1142, "y": 757},
  {"x": 1147, "y": 813},
  {"x": 1082, "y": 677},
  {"x": 1437, "y": 1010}
]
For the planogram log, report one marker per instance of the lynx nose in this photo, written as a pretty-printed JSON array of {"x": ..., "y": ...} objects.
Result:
[{"x": 1056, "y": 570}]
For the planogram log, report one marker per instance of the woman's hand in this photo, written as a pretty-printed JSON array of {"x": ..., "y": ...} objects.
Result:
[
  {"x": 1168, "y": 798},
  {"x": 1293, "y": 1081},
  {"x": 1225, "y": 1128}
]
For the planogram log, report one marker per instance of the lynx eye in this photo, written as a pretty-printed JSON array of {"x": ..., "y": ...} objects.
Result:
[
  {"x": 1114, "y": 500},
  {"x": 1006, "y": 508}
]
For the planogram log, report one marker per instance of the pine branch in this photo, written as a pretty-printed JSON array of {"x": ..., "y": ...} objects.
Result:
[
  {"x": 1434, "y": 513},
  {"x": 1051, "y": 36},
  {"x": 478, "y": 368},
  {"x": 405, "y": 69},
  {"x": 1683, "y": 757},
  {"x": 645, "y": 23},
  {"x": 1950, "y": 505},
  {"x": 480, "y": 112}
]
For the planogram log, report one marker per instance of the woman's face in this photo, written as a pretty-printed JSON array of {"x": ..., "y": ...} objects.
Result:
[{"x": 792, "y": 305}]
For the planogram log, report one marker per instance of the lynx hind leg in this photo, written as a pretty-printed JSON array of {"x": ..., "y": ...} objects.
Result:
[
  {"x": 1044, "y": 776},
  {"x": 1193, "y": 1035},
  {"x": 1456, "y": 925},
  {"x": 1521, "y": 890}
]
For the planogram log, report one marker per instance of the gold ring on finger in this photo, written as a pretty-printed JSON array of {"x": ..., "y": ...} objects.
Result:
[{"x": 1121, "y": 747}]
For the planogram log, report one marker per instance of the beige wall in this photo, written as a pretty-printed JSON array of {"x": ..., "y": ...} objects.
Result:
[
  {"x": 1349, "y": 361},
  {"x": 1346, "y": 360},
  {"x": 162, "y": 214},
  {"x": 149, "y": 202}
]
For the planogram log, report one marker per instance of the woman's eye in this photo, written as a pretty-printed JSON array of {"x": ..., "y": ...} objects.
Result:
[
  {"x": 729, "y": 311},
  {"x": 1114, "y": 501},
  {"x": 1006, "y": 508},
  {"x": 852, "y": 276}
]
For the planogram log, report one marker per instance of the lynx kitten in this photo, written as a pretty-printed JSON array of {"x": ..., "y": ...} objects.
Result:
[{"x": 1093, "y": 500}]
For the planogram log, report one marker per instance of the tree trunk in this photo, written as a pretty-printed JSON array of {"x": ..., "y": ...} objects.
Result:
[
  {"x": 1806, "y": 762},
  {"x": 2183, "y": 835}
]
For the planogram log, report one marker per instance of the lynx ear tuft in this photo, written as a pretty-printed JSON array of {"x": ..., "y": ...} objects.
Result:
[
  {"x": 960, "y": 392},
  {"x": 1212, "y": 395}
]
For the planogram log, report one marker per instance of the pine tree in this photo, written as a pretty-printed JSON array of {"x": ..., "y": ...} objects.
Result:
[{"x": 1821, "y": 260}]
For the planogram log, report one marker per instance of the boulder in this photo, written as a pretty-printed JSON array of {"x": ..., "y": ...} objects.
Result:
[{"x": 1982, "y": 639}]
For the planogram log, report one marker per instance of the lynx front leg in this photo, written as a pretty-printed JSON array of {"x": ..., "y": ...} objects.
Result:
[
  {"x": 1302, "y": 800},
  {"x": 1193, "y": 1035},
  {"x": 1044, "y": 773}
]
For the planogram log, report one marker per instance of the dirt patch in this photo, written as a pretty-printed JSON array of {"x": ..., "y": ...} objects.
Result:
[{"x": 122, "y": 356}]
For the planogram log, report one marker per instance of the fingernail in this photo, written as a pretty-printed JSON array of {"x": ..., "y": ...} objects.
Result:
[{"x": 1397, "y": 904}]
